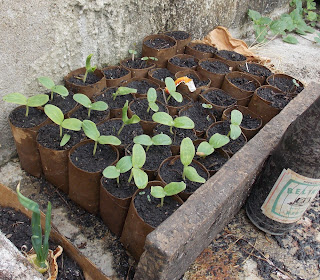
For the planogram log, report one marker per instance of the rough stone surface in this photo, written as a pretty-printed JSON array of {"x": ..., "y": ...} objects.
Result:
[
  {"x": 175, "y": 244},
  {"x": 13, "y": 265},
  {"x": 51, "y": 38}
]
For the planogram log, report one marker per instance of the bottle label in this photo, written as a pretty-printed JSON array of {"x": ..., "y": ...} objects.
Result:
[{"x": 290, "y": 197}]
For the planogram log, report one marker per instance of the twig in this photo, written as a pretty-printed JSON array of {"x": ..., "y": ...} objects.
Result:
[{"x": 56, "y": 190}]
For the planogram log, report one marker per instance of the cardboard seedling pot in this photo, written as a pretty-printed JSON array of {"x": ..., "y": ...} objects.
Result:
[
  {"x": 261, "y": 79},
  {"x": 138, "y": 72},
  {"x": 117, "y": 81},
  {"x": 150, "y": 77},
  {"x": 181, "y": 43},
  {"x": 198, "y": 54},
  {"x": 233, "y": 63},
  {"x": 173, "y": 68},
  {"x": 140, "y": 94}
]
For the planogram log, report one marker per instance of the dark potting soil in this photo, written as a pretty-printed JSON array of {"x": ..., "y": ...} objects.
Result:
[
  {"x": 95, "y": 116},
  {"x": 231, "y": 55},
  {"x": 197, "y": 82},
  {"x": 137, "y": 63},
  {"x": 106, "y": 96},
  {"x": 83, "y": 158},
  {"x": 49, "y": 137},
  {"x": 159, "y": 43},
  {"x": 178, "y": 35},
  {"x": 35, "y": 117},
  {"x": 223, "y": 128},
  {"x": 205, "y": 48},
  {"x": 285, "y": 84},
  {"x": 171, "y": 171},
  {"x": 140, "y": 107},
  {"x": 149, "y": 210},
  {"x": 174, "y": 103},
  {"x": 256, "y": 69},
  {"x": 250, "y": 122},
  {"x": 216, "y": 67},
  {"x": 65, "y": 104},
  {"x": 213, "y": 162},
  {"x": 17, "y": 228},
  {"x": 162, "y": 73},
  {"x": 244, "y": 83},
  {"x": 178, "y": 133},
  {"x": 124, "y": 189},
  {"x": 183, "y": 62},
  {"x": 91, "y": 79},
  {"x": 115, "y": 73},
  {"x": 112, "y": 126},
  {"x": 278, "y": 100},
  {"x": 219, "y": 97},
  {"x": 142, "y": 86},
  {"x": 201, "y": 117}
]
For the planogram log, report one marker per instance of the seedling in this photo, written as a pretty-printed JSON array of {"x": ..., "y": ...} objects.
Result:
[
  {"x": 125, "y": 120},
  {"x": 39, "y": 260},
  {"x": 89, "y": 69},
  {"x": 179, "y": 122},
  {"x": 86, "y": 102},
  {"x": 171, "y": 189},
  {"x": 171, "y": 90},
  {"x": 149, "y": 57},
  {"x": 187, "y": 152},
  {"x": 207, "y": 106},
  {"x": 152, "y": 98},
  {"x": 91, "y": 131},
  {"x": 123, "y": 91},
  {"x": 122, "y": 166},
  {"x": 49, "y": 84},
  {"x": 146, "y": 140},
  {"x": 133, "y": 53},
  {"x": 217, "y": 140},
  {"x": 56, "y": 115},
  {"x": 33, "y": 101}
]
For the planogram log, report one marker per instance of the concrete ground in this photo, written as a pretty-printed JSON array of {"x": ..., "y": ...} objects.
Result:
[{"x": 240, "y": 252}]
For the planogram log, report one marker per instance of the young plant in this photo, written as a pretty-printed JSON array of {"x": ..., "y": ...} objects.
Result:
[
  {"x": 39, "y": 260},
  {"x": 89, "y": 69},
  {"x": 158, "y": 140},
  {"x": 122, "y": 166},
  {"x": 49, "y": 84},
  {"x": 133, "y": 53},
  {"x": 33, "y": 101},
  {"x": 187, "y": 152},
  {"x": 138, "y": 158},
  {"x": 179, "y": 122},
  {"x": 149, "y": 57},
  {"x": 171, "y": 90},
  {"x": 125, "y": 120},
  {"x": 171, "y": 189},
  {"x": 86, "y": 102},
  {"x": 217, "y": 140},
  {"x": 91, "y": 131},
  {"x": 152, "y": 98},
  {"x": 56, "y": 115},
  {"x": 123, "y": 91}
]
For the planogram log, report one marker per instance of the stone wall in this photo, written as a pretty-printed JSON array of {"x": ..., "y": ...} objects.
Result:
[{"x": 50, "y": 38}]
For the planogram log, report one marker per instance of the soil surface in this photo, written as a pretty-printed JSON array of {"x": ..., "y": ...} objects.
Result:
[
  {"x": 244, "y": 83},
  {"x": 205, "y": 48},
  {"x": 231, "y": 55},
  {"x": 35, "y": 117},
  {"x": 111, "y": 127},
  {"x": 159, "y": 43},
  {"x": 17, "y": 228},
  {"x": 119, "y": 102},
  {"x": 201, "y": 117},
  {"x": 115, "y": 73},
  {"x": 140, "y": 107},
  {"x": 137, "y": 63},
  {"x": 216, "y": 67},
  {"x": 188, "y": 62},
  {"x": 213, "y": 162},
  {"x": 83, "y": 157},
  {"x": 162, "y": 73},
  {"x": 65, "y": 104},
  {"x": 91, "y": 79},
  {"x": 250, "y": 122},
  {"x": 285, "y": 84},
  {"x": 178, "y": 35},
  {"x": 178, "y": 133},
  {"x": 174, "y": 103},
  {"x": 149, "y": 209},
  {"x": 49, "y": 137},
  {"x": 219, "y": 97},
  {"x": 256, "y": 69},
  {"x": 95, "y": 116},
  {"x": 142, "y": 86},
  {"x": 124, "y": 189},
  {"x": 278, "y": 100},
  {"x": 171, "y": 171},
  {"x": 197, "y": 82}
]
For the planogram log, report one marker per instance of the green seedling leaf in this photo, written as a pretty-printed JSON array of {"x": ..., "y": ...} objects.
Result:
[
  {"x": 82, "y": 99},
  {"x": 236, "y": 117},
  {"x": 109, "y": 139},
  {"x": 16, "y": 98},
  {"x": 152, "y": 98},
  {"x": 49, "y": 84},
  {"x": 125, "y": 119},
  {"x": 291, "y": 39},
  {"x": 46, "y": 82},
  {"x": 140, "y": 177},
  {"x": 54, "y": 113},
  {"x": 157, "y": 192},
  {"x": 192, "y": 174},
  {"x": 183, "y": 122},
  {"x": 26, "y": 202},
  {"x": 174, "y": 188},
  {"x": 187, "y": 151},
  {"x": 217, "y": 140},
  {"x": 61, "y": 90},
  {"x": 161, "y": 139},
  {"x": 143, "y": 140},
  {"x": 111, "y": 172},
  {"x": 138, "y": 156},
  {"x": 204, "y": 149},
  {"x": 72, "y": 124},
  {"x": 254, "y": 15},
  {"x": 207, "y": 106},
  {"x": 124, "y": 164},
  {"x": 170, "y": 85},
  {"x": 88, "y": 64},
  {"x": 177, "y": 96},
  {"x": 90, "y": 130},
  {"x": 37, "y": 100},
  {"x": 65, "y": 139},
  {"x": 235, "y": 131},
  {"x": 163, "y": 118},
  {"x": 99, "y": 106},
  {"x": 132, "y": 52},
  {"x": 123, "y": 91}
]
